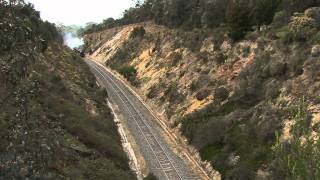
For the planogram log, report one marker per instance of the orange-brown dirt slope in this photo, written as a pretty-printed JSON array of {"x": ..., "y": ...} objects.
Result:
[{"x": 227, "y": 98}]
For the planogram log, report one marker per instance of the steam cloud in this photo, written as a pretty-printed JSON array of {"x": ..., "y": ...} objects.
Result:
[{"x": 71, "y": 40}]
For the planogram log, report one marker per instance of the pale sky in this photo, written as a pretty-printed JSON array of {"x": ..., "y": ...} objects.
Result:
[{"x": 79, "y": 12}]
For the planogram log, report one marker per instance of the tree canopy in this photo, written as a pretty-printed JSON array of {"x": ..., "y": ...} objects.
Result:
[{"x": 238, "y": 15}]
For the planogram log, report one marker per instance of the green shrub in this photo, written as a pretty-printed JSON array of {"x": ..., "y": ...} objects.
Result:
[
  {"x": 292, "y": 6},
  {"x": 100, "y": 168},
  {"x": 122, "y": 54},
  {"x": 239, "y": 17},
  {"x": 225, "y": 109},
  {"x": 302, "y": 27},
  {"x": 172, "y": 88},
  {"x": 314, "y": 13},
  {"x": 219, "y": 58},
  {"x": 193, "y": 40},
  {"x": 153, "y": 92},
  {"x": 240, "y": 172},
  {"x": 280, "y": 19},
  {"x": 209, "y": 137},
  {"x": 150, "y": 177},
  {"x": 264, "y": 11},
  {"x": 101, "y": 95},
  {"x": 298, "y": 159},
  {"x": 172, "y": 93},
  {"x": 175, "y": 58},
  {"x": 138, "y": 32},
  {"x": 55, "y": 79},
  {"x": 285, "y": 35},
  {"x": 199, "y": 83},
  {"x": 209, "y": 151},
  {"x": 316, "y": 38},
  {"x": 130, "y": 73},
  {"x": 221, "y": 94}
]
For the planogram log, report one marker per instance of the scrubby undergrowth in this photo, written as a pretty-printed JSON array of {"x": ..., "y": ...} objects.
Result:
[
  {"x": 230, "y": 98},
  {"x": 54, "y": 121}
]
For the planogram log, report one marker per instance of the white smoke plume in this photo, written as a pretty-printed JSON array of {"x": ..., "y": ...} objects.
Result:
[{"x": 71, "y": 40}]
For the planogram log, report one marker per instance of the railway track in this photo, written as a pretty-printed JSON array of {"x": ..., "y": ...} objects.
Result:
[{"x": 160, "y": 158}]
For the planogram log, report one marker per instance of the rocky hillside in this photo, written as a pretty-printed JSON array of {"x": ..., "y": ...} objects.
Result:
[
  {"x": 250, "y": 107},
  {"x": 54, "y": 120}
]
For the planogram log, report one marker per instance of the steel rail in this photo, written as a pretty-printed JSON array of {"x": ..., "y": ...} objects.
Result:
[{"x": 156, "y": 152}]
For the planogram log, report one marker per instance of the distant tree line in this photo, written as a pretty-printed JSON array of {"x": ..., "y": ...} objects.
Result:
[{"x": 239, "y": 16}]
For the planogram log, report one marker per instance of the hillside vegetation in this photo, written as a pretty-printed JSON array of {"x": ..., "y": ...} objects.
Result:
[
  {"x": 246, "y": 95},
  {"x": 54, "y": 121},
  {"x": 237, "y": 17}
]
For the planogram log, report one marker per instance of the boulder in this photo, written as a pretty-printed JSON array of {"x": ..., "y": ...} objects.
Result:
[
  {"x": 203, "y": 94},
  {"x": 315, "y": 51}
]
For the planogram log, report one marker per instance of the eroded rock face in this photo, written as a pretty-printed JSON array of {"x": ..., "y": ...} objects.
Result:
[{"x": 232, "y": 91}]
